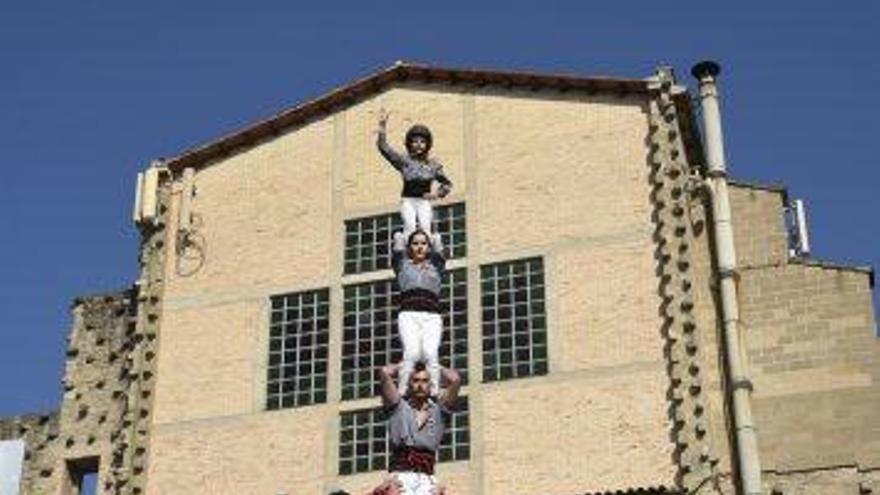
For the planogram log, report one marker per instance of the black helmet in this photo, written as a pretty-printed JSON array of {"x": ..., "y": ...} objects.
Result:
[{"x": 419, "y": 130}]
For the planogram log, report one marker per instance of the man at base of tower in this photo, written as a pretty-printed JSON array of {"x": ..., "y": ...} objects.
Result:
[{"x": 416, "y": 424}]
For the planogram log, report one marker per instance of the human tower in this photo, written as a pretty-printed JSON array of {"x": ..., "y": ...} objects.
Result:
[{"x": 416, "y": 405}]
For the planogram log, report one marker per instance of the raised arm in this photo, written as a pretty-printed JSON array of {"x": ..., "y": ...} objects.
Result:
[
  {"x": 453, "y": 384},
  {"x": 398, "y": 251},
  {"x": 394, "y": 158},
  {"x": 390, "y": 395}
]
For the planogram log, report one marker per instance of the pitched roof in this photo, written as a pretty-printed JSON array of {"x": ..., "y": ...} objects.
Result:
[{"x": 400, "y": 72}]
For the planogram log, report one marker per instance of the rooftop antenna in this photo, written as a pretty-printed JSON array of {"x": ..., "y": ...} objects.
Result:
[{"x": 798, "y": 233}]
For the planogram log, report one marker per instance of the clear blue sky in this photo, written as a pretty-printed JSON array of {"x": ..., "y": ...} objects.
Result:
[{"x": 90, "y": 92}]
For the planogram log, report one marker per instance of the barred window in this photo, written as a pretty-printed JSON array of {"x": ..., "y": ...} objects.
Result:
[
  {"x": 368, "y": 239},
  {"x": 456, "y": 445},
  {"x": 369, "y": 335},
  {"x": 298, "y": 336},
  {"x": 363, "y": 439},
  {"x": 514, "y": 320},
  {"x": 449, "y": 222}
]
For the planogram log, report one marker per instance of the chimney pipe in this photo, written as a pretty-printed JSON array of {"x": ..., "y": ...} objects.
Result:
[
  {"x": 706, "y": 73},
  {"x": 738, "y": 380}
]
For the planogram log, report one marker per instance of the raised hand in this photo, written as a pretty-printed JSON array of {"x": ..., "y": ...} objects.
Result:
[{"x": 383, "y": 117}]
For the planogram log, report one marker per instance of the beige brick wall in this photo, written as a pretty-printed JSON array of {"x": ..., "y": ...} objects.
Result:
[
  {"x": 758, "y": 226},
  {"x": 833, "y": 480},
  {"x": 577, "y": 433},
  {"x": 259, "y": 210},
  {"x": 606, "y": 306},
  {"x": 814, "y": 359},
  {"x": 559, "y": 170},
  {"x": 270, "y": 453},
  {"x": 209, "y": 361},
  {"x": 542, "y": 174}
]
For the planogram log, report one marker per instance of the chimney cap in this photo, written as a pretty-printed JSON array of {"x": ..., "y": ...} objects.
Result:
[{"x": 706, "y": 68}]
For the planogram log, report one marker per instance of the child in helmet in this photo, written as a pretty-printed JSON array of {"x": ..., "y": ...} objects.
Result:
[{"x": 419, "y": 175}]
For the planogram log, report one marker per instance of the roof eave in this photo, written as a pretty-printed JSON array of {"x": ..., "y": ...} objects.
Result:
[{"x": 350, "y": 94}]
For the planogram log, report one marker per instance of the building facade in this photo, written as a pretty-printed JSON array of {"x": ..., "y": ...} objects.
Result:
[{"x": 582, "y": 305}]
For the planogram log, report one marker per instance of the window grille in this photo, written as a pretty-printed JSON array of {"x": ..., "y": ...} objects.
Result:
[
  {"x": 514, "y": 319},
  {"x": 456, "y": 443},
  {"x": 298, "y": 338}
]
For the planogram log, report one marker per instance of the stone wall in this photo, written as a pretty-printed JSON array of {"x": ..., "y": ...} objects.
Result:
[
  {"x": 831, "y": 480},
  {"x": 815, "y": 360},
  {"x": 96, "y": 381},
  {"x": 81, "y": 435},
  {"x": 40, "y": 433},
  {"x": 760, "y": 238}
]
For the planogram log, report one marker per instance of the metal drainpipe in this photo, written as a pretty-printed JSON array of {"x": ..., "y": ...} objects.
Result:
[{"x": 725, "y": 255}]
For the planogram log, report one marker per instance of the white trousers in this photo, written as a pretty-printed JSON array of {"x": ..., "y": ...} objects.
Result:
[
  {"x": 415, "y": 212},
  {"x": 415, "y": 483},
  {"x": 420, "y": 333}
]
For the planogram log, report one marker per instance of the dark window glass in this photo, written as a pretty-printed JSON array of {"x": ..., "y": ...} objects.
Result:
[
  {"x": 514, "y": 319},
  {"x": 297, "y": 372}
]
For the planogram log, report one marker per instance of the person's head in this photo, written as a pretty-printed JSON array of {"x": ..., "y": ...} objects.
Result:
[
  {"x": 418, "y": 141},
  {"x": 418, "y": 245},
  {"x": 420, "y": 382}
]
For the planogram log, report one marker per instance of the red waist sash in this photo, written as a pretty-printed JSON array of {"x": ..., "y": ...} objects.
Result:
[{"x": 405, "y": 458}]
